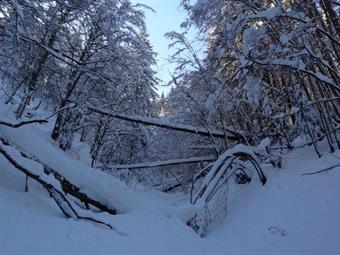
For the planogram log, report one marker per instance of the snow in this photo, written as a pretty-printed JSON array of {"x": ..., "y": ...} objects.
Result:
[
  {"x": 305, "y": 208},
  {"x": 263, "y": 144},
  {"x": 291, "y": 214},
  {"x": 270, "y": 13},
  {"x": 253, "y": 90},
  {"x": 31, "y": 224},
  {"x": 299, "y": 65}
]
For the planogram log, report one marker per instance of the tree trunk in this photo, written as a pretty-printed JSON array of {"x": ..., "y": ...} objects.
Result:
[
  {"x": 34, "y": 79},
  {"x": 61, "y": 115},
  {"x": 332, "y": 17}
]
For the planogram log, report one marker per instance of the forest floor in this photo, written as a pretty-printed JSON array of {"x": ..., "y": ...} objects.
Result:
[{"x": 291, "y": 214}]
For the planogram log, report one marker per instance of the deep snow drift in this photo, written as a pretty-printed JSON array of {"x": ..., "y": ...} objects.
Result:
[{"x": 291, "y": 214}]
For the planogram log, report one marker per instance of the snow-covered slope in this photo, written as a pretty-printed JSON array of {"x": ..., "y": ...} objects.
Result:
[
  {"x": 30, "y": 223},
  {"x": 291, "y": 214}
]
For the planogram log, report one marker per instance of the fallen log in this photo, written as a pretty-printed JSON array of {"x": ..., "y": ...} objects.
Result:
[
  {"x": 165, "y": 163},
  {"x": 163, "y": 124},
  {"x": 74, "y": 191},
  {"x": 70, "y": 188},
  {"x": 59, "y": 198},
  {"x": 67, "y": 186}
]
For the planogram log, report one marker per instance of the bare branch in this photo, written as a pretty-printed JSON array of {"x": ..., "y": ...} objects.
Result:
[
  {"x": 17, "y": 125},
  {"x": 322, "y": 170}
]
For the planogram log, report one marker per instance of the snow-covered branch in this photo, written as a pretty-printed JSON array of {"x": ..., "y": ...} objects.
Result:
[
  {"x": 165, "y": 163},
  {"x": 163, "y": 124}
]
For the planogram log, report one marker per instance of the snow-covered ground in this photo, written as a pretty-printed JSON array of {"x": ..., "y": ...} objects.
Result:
[{"x": 291, "y": 214}]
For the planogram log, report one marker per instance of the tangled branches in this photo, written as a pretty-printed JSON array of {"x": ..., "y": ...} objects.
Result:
[{"x": 211, "y": 196}]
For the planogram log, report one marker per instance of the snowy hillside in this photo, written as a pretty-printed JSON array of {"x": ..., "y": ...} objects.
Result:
[{"x": 291, "y": 214}]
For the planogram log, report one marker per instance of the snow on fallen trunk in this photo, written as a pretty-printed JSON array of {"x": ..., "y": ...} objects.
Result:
[
  {"x": 98, "y": 185},
  {"x": 36, "y": 171},
  {"x": 164, "y": 124}
]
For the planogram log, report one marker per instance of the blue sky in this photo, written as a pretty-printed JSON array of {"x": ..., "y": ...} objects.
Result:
[{"x": 168, "y": 17}]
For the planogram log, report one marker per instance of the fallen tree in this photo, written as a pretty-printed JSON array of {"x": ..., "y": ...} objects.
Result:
[
  {"x": 169, "y": 162},
  {"x": 59, "y": 198},
  {"x": 169, "y": 186},
  {"x": 177, "y": 127},
  {"x": 43, "y": 178},
  {"x": 71, "y": 189}
]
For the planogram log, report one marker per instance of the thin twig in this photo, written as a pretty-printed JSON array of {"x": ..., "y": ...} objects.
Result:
[
  {"x": 39, "y": 121},
  {"x": 322, "y": 170}
]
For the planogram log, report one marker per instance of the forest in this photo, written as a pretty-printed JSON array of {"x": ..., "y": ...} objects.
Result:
[{"x": 240, "y": 156}]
